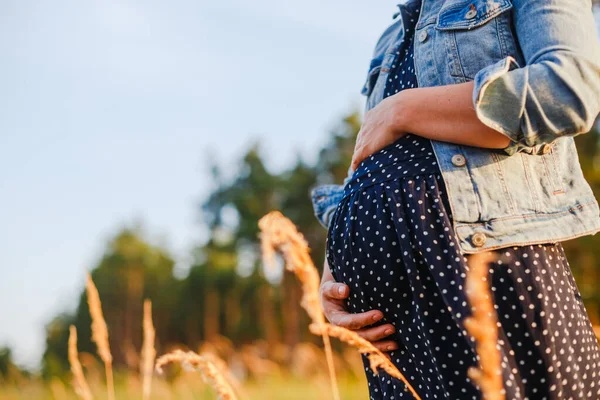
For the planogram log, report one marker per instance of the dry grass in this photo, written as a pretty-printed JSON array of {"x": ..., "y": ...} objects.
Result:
[
  {"x": 482, "y": 326},
  {"x": 100, "y": 333},
  {"x": 148, "y": 351},
  {"x": 376, "y": 358},
  {"x": 81, "y": 386},
  {"x": 205, "y": 365},
  {"x": 278, "y": 233}
]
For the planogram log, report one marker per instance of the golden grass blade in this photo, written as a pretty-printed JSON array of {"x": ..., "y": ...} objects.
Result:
[
  {"x": 148, "y": 351},
  {"x": 597, "y": 331},
  {"x": 100, "y": 333},
  {"x": 376, "y": 358},
  {"x": 57, "y": 389},
  {"x": 206, "y": 365},
  {"x": 482, "y": 326},
  {"x": 81, "y": 386},
  {"x": 279, "y": 233}
]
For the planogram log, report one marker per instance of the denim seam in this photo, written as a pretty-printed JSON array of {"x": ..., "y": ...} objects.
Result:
[
  {"x": 473, "y": 184},
  {"x": 503, "y": 181},
  {"x": 500, "y": 30},
  {"x": 531, "y": 242},
  {"x": 457, "y": 67},
  {"x": 551, "y": 173},
  {"x": 530, "y": 187},
  {"x": 527, "y": 216},
  {"x": 552, "y": 155}
]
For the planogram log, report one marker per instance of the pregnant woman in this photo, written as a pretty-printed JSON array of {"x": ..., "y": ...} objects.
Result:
[{"x": 467, "y": 146}]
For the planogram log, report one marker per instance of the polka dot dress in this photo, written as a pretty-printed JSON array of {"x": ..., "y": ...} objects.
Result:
[{"x": 391, "y": 241}]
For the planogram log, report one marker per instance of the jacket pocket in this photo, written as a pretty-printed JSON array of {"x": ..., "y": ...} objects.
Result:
[
  {"x": 476, "y": 33},
  {"x": 470, "y": 14}
]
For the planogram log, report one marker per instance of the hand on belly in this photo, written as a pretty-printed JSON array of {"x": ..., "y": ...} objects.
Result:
[{"x": 333, "y": 295}]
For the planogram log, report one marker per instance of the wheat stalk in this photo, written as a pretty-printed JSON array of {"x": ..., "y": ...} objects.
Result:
[
  {"x": 482, "y": 326},
  {"x": 81, "y": 386},
  {"x": 148, "y": 351},
  {"x": 376, "y": 358},
  {"x": 279, "y": 233},
  {"x": 206, "y": 366},
  {"x": 100, "y": 333}
]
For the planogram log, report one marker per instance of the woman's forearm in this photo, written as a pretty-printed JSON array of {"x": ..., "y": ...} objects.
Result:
[{"x": 445, "y": 113}]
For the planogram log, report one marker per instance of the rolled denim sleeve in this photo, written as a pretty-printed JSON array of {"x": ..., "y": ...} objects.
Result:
[
  {"x": 557, "y": 92},
  {"x": 325, "y": 199}
]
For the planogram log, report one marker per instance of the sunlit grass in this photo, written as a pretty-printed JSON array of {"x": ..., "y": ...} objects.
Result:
[{"x": 189, "y": 387}]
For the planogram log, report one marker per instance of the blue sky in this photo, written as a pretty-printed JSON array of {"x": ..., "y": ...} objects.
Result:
[{"x": 109, "y": 110}]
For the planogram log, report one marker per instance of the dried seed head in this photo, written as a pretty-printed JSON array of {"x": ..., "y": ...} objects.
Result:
[
  {"x": 482, "y": 326},
  {"x": 148, "y": 350},
  {"x": 99, "y": 329},
  {"x": 81, "y": 386},
  {"x": 376, "y": 358},
  {"x": 209, "y": 372}
]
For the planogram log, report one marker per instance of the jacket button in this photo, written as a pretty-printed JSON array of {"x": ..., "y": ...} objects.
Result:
[
  {"x": 478, "y": 239},
  {"x": 422, "y": 36},
  {"x": 547, "y": 148},
  {"x": 459, "y": 160},
  {"x": 471, "y": 13}
]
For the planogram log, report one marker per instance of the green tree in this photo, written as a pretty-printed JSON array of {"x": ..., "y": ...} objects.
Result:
[{"x": 129, "y": 271}]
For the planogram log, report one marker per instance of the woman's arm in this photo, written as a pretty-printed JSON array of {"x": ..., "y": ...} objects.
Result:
[
  {"x": 443, "y": 113},
  {"x": 556, "y": 93}
]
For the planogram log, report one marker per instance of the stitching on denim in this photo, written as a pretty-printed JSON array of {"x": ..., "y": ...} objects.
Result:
[
  {"x": 500, "y": 30},
  {"x": 457, "y": 67},
  {"x": 553, "y": 154},
  {"x": 480, "y": 21},
  {"x": 528, "y": 180},
  {"x": 524, "y": 243},
  {"x": 528, "y": 216},
  {"x": 496, "y": 158},
  {"x": 475, "y": 190},
  {"x": 556, "y": 189}
]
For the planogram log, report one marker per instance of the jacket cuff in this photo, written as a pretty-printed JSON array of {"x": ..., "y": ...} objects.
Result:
[
  {"x": 325, "y": 199},
  {"x": 495, "y": 99}
]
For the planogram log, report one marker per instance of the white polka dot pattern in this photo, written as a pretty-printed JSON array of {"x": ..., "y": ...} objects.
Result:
[{"x": 391, "y": 241}]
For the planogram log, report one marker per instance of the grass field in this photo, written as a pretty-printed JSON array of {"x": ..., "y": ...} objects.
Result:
[{"x": 190, "y": 387}]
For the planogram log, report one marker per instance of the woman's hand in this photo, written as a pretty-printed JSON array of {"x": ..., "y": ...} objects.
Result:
[
  {"x": 332, "y": 301},
  {"x": 380, "y": 128}
]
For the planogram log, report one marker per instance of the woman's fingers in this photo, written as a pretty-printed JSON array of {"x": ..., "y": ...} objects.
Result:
[
  {"x": 335, "y": 290},
  {"x": 332, "y": 296},
  {"x": 357, "y": 157},
  {"x": 355, "y": 321},
  {"x": 386, "y": 345},
  {"x": 376, "y": 333}
]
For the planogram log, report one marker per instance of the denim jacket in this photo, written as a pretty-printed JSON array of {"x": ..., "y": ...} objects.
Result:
[{"x": 536, "y": 71}]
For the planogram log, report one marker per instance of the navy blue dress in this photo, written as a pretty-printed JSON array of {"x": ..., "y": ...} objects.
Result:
[{"x": 391, "y": 241}]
